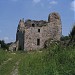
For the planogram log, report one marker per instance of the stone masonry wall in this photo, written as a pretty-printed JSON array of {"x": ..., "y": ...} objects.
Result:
[
  {"x": 32, "y": 34},
  {"x": 29, "y": 31}
]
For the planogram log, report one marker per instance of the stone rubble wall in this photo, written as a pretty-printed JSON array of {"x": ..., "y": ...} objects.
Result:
[{"x": 27, "y": 32}]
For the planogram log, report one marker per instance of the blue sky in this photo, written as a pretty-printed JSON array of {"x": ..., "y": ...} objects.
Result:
[{"x": 11, "y": 11}]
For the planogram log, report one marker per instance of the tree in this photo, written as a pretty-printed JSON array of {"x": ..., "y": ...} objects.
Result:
[
  {"x": 72, "y": 34},
  {"x": 3, "y": 44},
  {"x": 64, "y": 38}
]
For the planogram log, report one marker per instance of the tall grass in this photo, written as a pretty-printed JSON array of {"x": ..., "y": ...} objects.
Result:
[
  {"x": 7, "y": 67},
  {"x": 54, "y": 60},
  {"x": 3, "y": 56}
]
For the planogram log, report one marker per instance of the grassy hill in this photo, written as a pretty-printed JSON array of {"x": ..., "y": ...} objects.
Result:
[{"x": 54, "y": 60}]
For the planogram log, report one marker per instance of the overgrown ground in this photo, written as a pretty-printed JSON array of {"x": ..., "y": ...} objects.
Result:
[{"x": 51, "y": 61}]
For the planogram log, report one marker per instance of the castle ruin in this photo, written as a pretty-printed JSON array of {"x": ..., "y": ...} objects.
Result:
[{"x": 32, "y": 34}]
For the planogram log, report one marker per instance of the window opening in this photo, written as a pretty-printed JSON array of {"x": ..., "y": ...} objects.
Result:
[
  {"x": 38, "y": 42},
  {"x": 38, "y": 30},
  {"x": 33, "y": 25}
]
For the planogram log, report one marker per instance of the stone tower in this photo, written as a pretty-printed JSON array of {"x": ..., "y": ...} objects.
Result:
[
  {"x": 20, "y": 34},
  {"x": 55, "y": 25}
]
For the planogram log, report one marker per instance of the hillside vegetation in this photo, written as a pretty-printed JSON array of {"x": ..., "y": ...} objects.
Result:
[{"x": 54, "y": 60}]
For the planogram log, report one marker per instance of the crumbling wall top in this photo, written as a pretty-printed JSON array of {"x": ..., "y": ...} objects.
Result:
[
  {"x": 53, "y": 16},
  {"x": 34, "y": 23}
]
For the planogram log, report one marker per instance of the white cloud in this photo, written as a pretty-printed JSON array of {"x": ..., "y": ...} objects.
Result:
[
  {"x": 6, "y": 38},
  {"x": 53, "y": 2},
  {"x": 73, "y": 5},
  {"x": 36, "y": 1}
]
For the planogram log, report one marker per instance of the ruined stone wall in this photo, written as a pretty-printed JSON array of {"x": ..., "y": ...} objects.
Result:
[
  {"x": 13, "y": 47},
  {"x": 20, "y": 39},
  {"x": 28, "y": 32},
  {"x": 55, "y": 25},
  {"x": 51, "y": 29},
  {"x": 20, "y": 35},
  {"x": 32, "y": 34}
]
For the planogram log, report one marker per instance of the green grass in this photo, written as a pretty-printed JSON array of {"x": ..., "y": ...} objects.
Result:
[
  {"x": 54, "y": 60},
  {"x": 7, "y": 67},
  {"x": 3, "y": 56}
]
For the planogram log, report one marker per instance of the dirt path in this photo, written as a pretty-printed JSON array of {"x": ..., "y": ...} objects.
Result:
[
  {"x": 15, "y": 68},
  {"x": 5, "y": 62}
]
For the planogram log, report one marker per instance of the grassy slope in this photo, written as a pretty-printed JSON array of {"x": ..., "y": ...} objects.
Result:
[
  {"x": 6, "y": 66},
  {"x": 52, "y": 61},
  {"x": 3, "y": 56}
]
